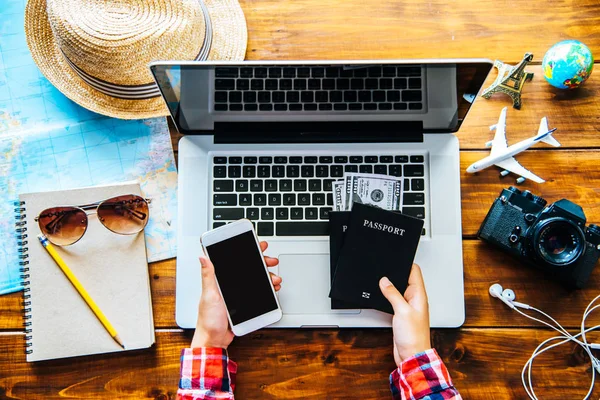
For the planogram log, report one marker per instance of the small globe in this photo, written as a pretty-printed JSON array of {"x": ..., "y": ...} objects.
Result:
[{"x": 567, "y": 64}]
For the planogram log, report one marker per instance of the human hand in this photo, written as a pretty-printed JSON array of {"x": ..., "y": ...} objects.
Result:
[
  {"x": 411, "y": 316},
  {"x": 212, "y": 328}
]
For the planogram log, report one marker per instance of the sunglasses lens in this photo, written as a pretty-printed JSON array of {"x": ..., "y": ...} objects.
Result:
[
  {"x": 124, "y": 214},
  {"x": 63, "y": 225}
]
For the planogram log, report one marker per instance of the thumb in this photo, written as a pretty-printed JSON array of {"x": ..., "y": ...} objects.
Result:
[
  {"x": 392, "y": 294},
  {"x": 209, "y": 282}
]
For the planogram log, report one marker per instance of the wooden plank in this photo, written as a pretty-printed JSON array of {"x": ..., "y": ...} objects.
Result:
[
  {"x": 353, "y": 29},
  {"x": 574, "y": 114},
  {"x": 574, "y": 175},
  {"x": 484, "y": 265},
  {"x": 302, "y": 364}
]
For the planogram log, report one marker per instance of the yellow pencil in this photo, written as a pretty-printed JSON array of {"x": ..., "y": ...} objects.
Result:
[{"x": 90, "y": 302}]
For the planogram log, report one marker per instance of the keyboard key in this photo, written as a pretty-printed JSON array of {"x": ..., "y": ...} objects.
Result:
[
  {"x": 329, "y": 199},
  {"x": 226, "y": 72},
  {"x": 371, "y": 159},
  {"x": 417, "y": 185},
  {"x": 266, "y": 213},
  {"x": 249, "y": 97},
  {"x": 293, "y": 97},
  {"x": 249, "y": 171},
  {"x": 341, "y": 159},
  {"x": 245, "y": 199},
  {"x": 234, "y": 171},
  {"x": 271, "y": 84},
  {"x": 307, "y": 97},
  {"x": 380, "y": 169},
  {"x": 265, "y": 229},
  {"x": 314, "y": 185},
  {"x": 400, "y": 83},
  {"x": 300, "y": 185},
  {"x": 278, "y": 171},
  {"x": 318, "y": 72},
  {"x": 351, "y": 168},
  {"x": 325, "y": 159},
  {"x": 310, "y": 160},
  {"x": 296, "y": 160},
  {"x": 378, "y": 96},
  {"x": 257, "y": 84},
  {"x": 310, "y": 107},
  {"x": 297, "y": 213},
  {"x": 411, "y": 106},
  {"x": 260, "y": 72},
  {"x": 225, "y": 84},
  {"x": 302, "y": 228},
  {"x": 235, "y": 107},
  {"x": 321, "y": 96},
  {"x": 332, "y": 72},
  {"x": 250, "y": 107},
  {"x": 360, "y": 72},
  {"x": 225, "y": 200},
  {"x": 303, "y": 199},
  {"x": 340, "y": 107},
  {"x": 389, "y": 71},
  {"x": 386, "y": 159},
  {"x": 393, "y": 96},
  {"x": 327, "y": 185},
  {"x": 386, "y": 83},
  {"x": 322, "y": 171},
  {"x": 260, "y": 199},
  {"x": 220, "y": 107},
  {"x": 417, "y": 212},
  {"x": 365, "y": 169},
  {"x": 308, "y": 171},
  {"x": 324, "y": 212},
  {"x": 293, "y": 171},
  {"x": 328, "y": 84},
  {"x": 252, "y": 214},
  {"x": 313, "y": 84},
  {"x": 300, "y": 84},
  {"x": 220, "y": 160},
  {"x": 280, "y": 107},
  {"x": 356, "y": 159},
  {"x": 355, "y": 106},
  {"x": 285, "y": 185},
  {"x": 281, "y": 160},
  {"x": 395, "y": 170},
  {"x": 384, "y": 106},
  {"x": 278, "y": 97},
  {"x": 241, "y": 185},
  {"x": 417, "y": 159},
  {"x": 400, "y": 106},
  {"x": 337, "y": 171},
  {"x": 375, "y": 72},
  {"x": 285, "y": 84},
  {"x": 342, "y": 84},
  {"x": 295, "y": 107},
  {"x": 275, "y": 72},
  {"x": 242, "y": 84},
  {"x": 246, "y": 72},
  {"x": 370, "y": 106},
  {"x": 289, "y": 72},
  {"x": 414, "y": 170},
  {"x": 411, "y": 95},
  {"x": 265, "y": 160},
  {"x": 220, "y": 97},
  {"x": 274, "y": 199},
  {"x": 264, "y": 171},
  {"x": 220, "y": 171},
  {"x": 311, "y": 213},
  {"x": 289, "y": 199},
  {"x": 281, "y": 213},
  {"x": 371, "y": 84},
  {"x": 228, "y": 214},
  {"x": 318, "y": 199},
  {"x": 223, "y": 185},
  {"x": 413, "y": 199},
  {"x": 414, "y": 83},
  {"x": 303, "y": 72},
  {"x": 235, "y": 160},
  {"x": 350, "y": 96},
  {"x": 325, "y": 107},
  {"x": 256, "y": 185},
  {"x": 271, "y": 185},
  {"x": 357, "y": 84},
  {"x": 364, "y": 96},
  {"x": 264, "y": 97},
  {"x": 218, "y": 224},
  {"x": 401, "y": 159}
]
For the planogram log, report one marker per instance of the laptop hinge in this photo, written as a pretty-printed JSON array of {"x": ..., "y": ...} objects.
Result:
[{"x": 319, "y": 132}]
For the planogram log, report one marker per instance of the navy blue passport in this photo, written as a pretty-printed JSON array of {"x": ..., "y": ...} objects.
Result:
[
  {"x": 377, "y": 243},
  {"x": 338, "y": 225}
]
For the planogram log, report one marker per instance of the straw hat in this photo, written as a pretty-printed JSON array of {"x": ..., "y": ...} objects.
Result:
[{"x": 97, "y": 52}]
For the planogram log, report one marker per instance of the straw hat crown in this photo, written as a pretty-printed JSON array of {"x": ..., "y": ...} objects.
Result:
[{"x": 115, "y": 40}]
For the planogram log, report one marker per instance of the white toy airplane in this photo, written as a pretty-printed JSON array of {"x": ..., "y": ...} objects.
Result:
[{"x": 502, "y": 155}]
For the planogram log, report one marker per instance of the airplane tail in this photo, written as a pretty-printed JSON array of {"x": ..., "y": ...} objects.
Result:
[
  {"x": 546, "y": 134},
  {"x": 551, "y": 141}
]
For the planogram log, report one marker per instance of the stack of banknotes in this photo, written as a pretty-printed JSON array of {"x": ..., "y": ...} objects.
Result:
[{"x": 383, "y": 191}]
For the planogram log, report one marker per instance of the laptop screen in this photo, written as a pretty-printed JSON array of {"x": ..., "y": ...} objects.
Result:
[{"x": 434, "y": 95}]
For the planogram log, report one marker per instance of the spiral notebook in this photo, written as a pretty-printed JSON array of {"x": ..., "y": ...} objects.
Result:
[{"x": 111, "y": 267}]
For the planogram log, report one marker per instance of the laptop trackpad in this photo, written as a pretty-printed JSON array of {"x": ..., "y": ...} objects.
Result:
[{"x": 305, "y": 287}]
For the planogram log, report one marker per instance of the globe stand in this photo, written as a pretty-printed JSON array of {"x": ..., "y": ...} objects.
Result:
[{"x": 510, "y": 80}]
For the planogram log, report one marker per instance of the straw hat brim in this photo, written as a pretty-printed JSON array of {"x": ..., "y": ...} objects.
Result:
[{"x": 229, "y": 41}]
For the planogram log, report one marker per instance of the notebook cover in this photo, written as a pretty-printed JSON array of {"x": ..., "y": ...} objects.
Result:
[
  {"x": 338, "y": 225},
  {"x": 111, "y": 267},
  {"x": 378, "y": 243}
]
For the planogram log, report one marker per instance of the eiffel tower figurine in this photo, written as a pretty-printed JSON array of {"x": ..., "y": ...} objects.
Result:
[{"x": 510, "y": 80}]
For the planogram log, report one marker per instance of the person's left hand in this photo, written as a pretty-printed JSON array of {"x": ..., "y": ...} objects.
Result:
[{"x": 212, "y": 328}]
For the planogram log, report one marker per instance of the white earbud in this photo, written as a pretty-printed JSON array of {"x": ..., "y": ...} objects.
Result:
[
  {"x": 508, "y": 294},
  {"x": 496, "y": 291}
]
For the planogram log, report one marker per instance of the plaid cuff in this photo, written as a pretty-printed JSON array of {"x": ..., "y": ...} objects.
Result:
[
  {"x": 423, "y": 376},
  {"x": 206, "y": 373}
]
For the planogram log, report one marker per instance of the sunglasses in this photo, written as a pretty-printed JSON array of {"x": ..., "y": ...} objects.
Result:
[{"x": 124, "y": 215}]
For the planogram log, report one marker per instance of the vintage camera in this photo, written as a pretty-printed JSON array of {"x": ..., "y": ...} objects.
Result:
[{"x": 551, "y": 238}]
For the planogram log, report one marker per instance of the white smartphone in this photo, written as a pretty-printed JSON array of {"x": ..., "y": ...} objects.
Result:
[{"x": 242, "y": 276}]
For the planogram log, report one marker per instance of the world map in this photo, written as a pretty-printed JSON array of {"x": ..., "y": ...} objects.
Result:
[{"x": 47, "y": 142}]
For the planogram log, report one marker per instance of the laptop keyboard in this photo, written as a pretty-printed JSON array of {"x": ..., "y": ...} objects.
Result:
[
  {"x": 291, "y": 195},
  {"x": 315, "y": 88}
]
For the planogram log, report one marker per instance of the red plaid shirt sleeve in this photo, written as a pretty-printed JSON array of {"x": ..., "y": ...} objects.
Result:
[
  {"x": 423, "y": 377},
  {"x": 206, "y": 374}
]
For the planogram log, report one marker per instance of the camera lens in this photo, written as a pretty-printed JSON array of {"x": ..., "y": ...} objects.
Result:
[{"x": 558, "y": 241}]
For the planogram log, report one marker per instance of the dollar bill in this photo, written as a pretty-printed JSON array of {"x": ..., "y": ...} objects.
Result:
[
  {"x": 383, "y": 191},
  {"x": 338, "y": 196}
]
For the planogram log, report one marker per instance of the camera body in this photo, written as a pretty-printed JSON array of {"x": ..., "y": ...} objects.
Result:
[{"x": 551, "y": 238}]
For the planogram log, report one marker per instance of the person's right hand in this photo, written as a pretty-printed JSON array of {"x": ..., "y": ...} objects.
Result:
[{"x": 411, "y": 316}]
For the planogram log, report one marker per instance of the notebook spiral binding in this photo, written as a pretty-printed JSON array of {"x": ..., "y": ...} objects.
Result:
[{"x": 22, "y": 242}]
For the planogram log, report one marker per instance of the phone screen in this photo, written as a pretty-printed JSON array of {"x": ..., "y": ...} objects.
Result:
[{"x": 242, "y": 279}]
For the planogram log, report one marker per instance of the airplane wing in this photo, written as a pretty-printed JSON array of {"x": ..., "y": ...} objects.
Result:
[
  {"x": 510, "y": 164},
  {"x": 499, "y": 143}
]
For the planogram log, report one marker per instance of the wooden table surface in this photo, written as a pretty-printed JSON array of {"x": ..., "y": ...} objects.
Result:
[{"x": 486, "y": 355}]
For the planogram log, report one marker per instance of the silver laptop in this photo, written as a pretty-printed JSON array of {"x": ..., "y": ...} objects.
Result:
[{"x": 265, "y": 140}]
